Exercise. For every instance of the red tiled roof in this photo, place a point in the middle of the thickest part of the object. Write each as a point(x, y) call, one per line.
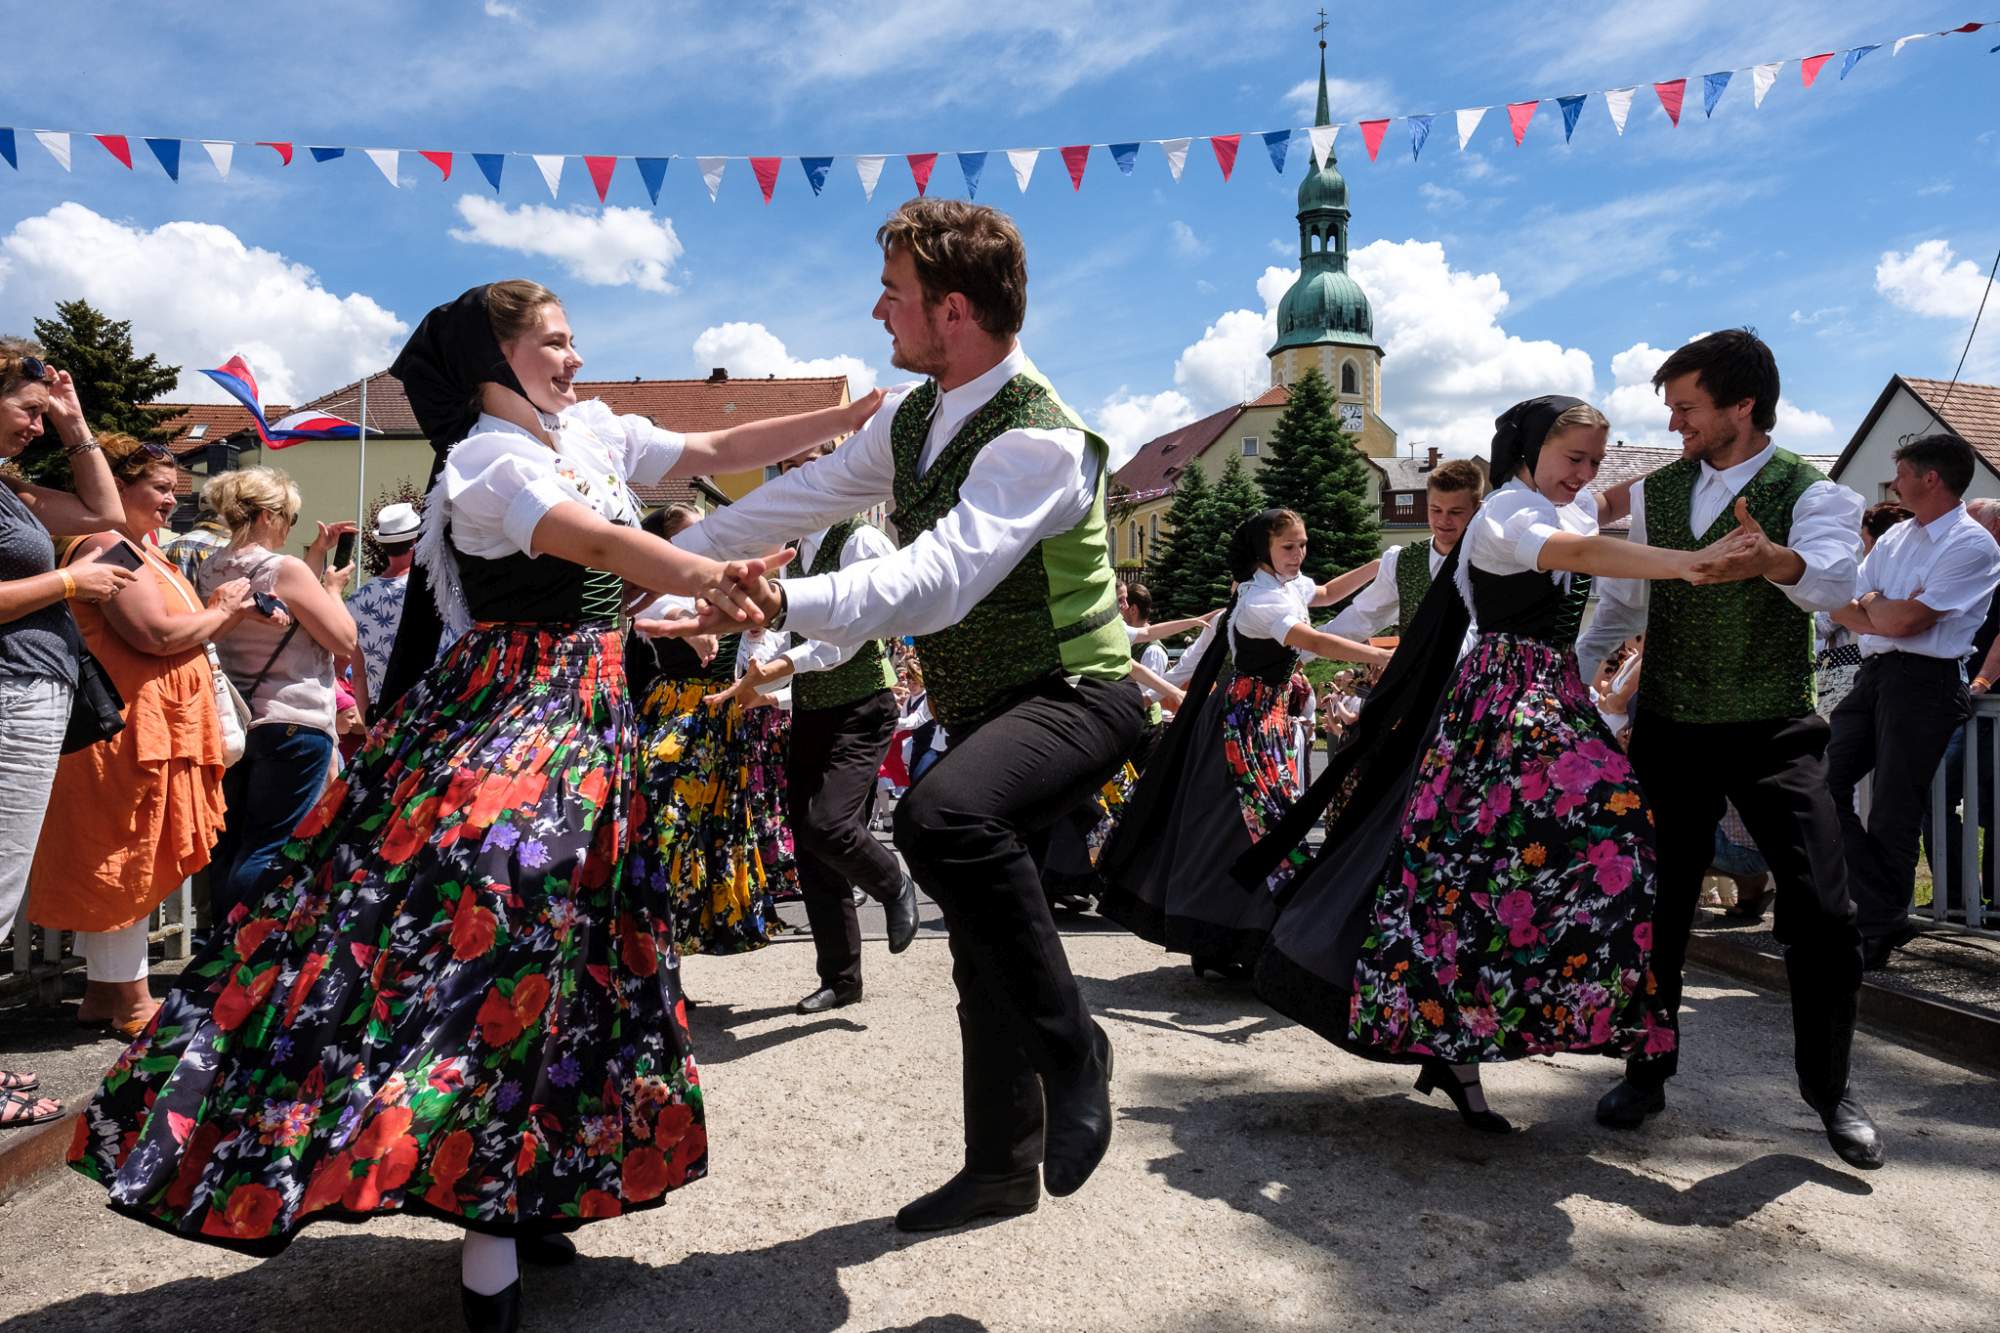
point(197, 425)
point(388, 406)
point(1972, 411)
point(1160, 460)
point(1278, 395)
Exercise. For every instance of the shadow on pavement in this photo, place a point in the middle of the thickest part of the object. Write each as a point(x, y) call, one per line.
point(713, 1027)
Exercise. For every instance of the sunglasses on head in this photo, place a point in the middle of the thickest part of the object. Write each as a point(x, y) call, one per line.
point(154, 449)
point(33, 369)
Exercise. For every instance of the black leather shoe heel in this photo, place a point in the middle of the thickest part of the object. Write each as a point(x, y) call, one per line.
point(1437, 1075)
point(1079, 1120)
point(901, 912)
point(551, 1249)
point(826, 997)
point(1626, 1106)
point(498, 1313)
point(967, 1197)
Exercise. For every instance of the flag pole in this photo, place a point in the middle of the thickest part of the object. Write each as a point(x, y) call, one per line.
point(361, 484)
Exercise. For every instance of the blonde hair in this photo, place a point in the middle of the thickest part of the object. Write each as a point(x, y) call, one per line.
point(12, 350)
point(129, 459)
point(514, 307)
point(1582, 415)
point(238, 497)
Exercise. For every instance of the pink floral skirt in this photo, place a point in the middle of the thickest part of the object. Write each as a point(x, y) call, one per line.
point(1516, 916)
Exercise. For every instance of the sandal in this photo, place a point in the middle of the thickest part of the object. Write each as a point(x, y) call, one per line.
point(18, 1112)
point(11, 1082)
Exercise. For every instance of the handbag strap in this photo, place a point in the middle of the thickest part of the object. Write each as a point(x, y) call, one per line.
point(271, 661)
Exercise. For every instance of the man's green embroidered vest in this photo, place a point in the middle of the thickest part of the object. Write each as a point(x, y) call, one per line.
point(1413, 580)
point(1730, 652)
point(868, 671)
point(1056, 612)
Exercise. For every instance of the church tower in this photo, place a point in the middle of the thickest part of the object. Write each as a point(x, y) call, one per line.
point(1324, 322)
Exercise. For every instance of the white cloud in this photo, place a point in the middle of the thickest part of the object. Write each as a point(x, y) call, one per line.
point(1441, 198)
point(748, 351)
point(1186, 244)
point(1347, 100)
point(1926, 282)
point(1639, 417)
point(612, 247)
point(499, 9)
point(300, 338)
point(1128, 420)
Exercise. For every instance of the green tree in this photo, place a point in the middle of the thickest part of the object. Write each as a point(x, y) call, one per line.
point(1232, 501)
point(113, 383)
point(1172, 585)
point(1312, 466)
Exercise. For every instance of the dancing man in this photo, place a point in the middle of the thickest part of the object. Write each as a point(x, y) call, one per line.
point(843, 715)
point(1005, 578)
point(1725, 707)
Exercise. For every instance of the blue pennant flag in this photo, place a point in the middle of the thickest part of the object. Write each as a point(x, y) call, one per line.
point(169, 153)
point(1854, 57)
point(1420, 130)
point(653, 170)
point(816, 169)
point(326, 154)
point(490, 166)
point(1572, 107)
point(972, 164)
point(7, 149)
point(1125, 154)
point(1711, 90)
point(1278, 141)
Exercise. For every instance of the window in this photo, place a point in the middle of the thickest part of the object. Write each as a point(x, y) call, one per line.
point(1249, 446)
point(1885, 493)
point(772, 472)
point(1350, 382)
point(1154, 526)
point(1406, 502)
point(196, 432)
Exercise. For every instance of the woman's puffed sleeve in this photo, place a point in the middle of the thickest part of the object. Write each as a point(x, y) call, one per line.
point(1508, 532)
point(647, 451)
point(499, 488)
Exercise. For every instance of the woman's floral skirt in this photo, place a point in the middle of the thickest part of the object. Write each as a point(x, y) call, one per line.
point(714, 835)
point(1516, 918)
point(451, 999)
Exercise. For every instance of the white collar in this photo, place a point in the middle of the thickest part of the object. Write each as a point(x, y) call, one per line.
point(970, 396)
point(1738, 476)
point(1935, 529)
point(488, 422)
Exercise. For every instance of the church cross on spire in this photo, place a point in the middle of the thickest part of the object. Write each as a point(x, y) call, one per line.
point(1325, 115)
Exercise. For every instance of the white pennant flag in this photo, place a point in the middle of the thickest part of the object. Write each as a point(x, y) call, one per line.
point(711, 173)
point(1322, 141)
point(385, 160)
point(1023, 162)
point(222, 153)
point(870, 170)
point(1468, 121)
point(1176, 155)
point(1618, 102)
point(1761, 79)
point(1902, 42)
point(551, 165)
point(57, 143)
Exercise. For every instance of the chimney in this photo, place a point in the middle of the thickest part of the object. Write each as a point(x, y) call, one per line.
point(1431, 461)
point(720, 375)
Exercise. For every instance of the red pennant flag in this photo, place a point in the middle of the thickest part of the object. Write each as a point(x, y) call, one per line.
point(1964, 27)
point(600, 169)
point(1225, 146)
point(1810, 67)
point(117, 146)
point(767, 174)
point(1520, 113)
point(440, 160)
point(920, 169)
point(1671, 93)
point(283, 150)
point(1075, 157)
point(1371, 134)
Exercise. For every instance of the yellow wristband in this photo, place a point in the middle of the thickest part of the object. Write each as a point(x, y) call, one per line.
point(1982, 682)
point(69, 584)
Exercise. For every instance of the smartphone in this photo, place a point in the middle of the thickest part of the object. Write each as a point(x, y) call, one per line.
point(267, 605)
point(343, 551)
point(122, 556)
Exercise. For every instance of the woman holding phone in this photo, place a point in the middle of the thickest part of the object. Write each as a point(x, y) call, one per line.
point(134, 815)
point(283, 663)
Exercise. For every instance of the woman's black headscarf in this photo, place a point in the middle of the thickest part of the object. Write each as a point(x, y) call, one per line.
point(1518, 434)
point(451, 354)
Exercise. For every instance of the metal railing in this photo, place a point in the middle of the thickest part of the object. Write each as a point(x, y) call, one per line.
point(1979, 805)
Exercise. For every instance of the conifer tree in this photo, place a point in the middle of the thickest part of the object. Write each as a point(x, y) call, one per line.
point(1231, 502)
point(1315, 468)
point(112, 383)
point(1174, 593)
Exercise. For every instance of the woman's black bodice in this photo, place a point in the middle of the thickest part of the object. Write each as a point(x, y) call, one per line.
point(1267, 659)
point(524, 589)
point(1531, 605)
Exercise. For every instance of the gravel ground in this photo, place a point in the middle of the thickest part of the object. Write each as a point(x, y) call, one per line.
point(1942, 963)
point(1258, 1180)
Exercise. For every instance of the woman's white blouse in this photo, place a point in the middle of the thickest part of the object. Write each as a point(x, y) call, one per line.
point(1267, 607)
point(501, 481)
point(1506, 536)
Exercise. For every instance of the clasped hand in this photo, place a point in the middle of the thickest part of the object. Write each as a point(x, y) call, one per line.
point(1746, 553)
point(739, 593)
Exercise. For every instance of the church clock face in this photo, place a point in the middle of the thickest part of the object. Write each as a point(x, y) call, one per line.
point(1350, 418)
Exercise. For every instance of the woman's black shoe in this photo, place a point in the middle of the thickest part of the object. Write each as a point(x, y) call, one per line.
point(550, 1249)
point(1437, 1074)
point(1224, 970)
point(498, 1313)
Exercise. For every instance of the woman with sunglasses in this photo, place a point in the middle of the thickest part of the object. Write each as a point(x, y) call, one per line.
point(38, 643)
point(284, 668)
point(135, 814)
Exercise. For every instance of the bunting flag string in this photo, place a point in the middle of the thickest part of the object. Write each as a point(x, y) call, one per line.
point(171, 153)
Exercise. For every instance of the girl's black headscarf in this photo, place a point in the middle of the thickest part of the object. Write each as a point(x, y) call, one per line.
point(452, 353)
point(1518, 434)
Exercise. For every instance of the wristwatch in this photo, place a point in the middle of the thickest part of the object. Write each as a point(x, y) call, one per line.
point(784, 606)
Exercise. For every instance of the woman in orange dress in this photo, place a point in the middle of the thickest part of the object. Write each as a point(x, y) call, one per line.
point(131, 817)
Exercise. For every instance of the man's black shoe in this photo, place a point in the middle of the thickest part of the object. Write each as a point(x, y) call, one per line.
point(1627, 1105)
point(1877, 950)
point(1853, 1135)
point(902, 913)
point(826, 997)
point(967, 1197)
point(1079, 1120)
point(550, 1249)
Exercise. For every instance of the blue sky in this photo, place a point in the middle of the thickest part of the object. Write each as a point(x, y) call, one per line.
point(1852, 223)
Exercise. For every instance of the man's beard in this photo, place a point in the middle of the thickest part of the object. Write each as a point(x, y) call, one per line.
point(1716, 444)
point(925, 360)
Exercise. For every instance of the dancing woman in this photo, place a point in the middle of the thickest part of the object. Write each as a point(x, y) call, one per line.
point(449, 997)
point(1225, 773)
point(1498, 902)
